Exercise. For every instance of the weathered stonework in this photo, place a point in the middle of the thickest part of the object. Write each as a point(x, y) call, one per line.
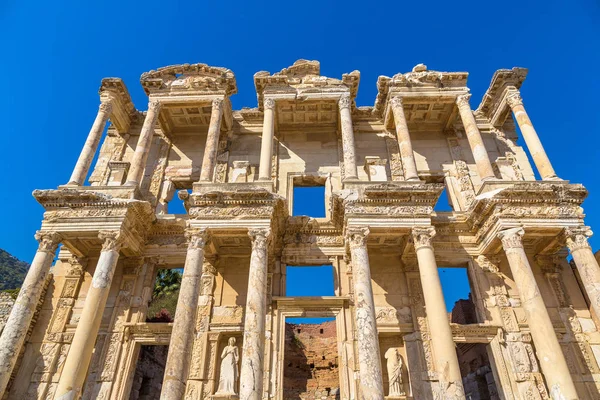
point(77, 332)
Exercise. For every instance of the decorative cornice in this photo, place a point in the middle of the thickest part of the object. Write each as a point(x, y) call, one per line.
point(345, 101)
point(196, 238)
point(422, 236)
point(514, 99)
point(48, 241)
point(512, 238)
point(111, 240)
point(259, 237)
point(488, 264)
point(269, 103)
point(577, 238)
point(463, 100)
point(357, 236)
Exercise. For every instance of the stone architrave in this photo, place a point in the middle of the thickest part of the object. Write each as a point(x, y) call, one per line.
point(266, 144)
point(91, 144)
point(15, 329)
point(182, 336)
point(142, 149)
point(404, 142)
point(212, 142)
point(251, 375)
point(371, 383)
point(446, 361)
point(587, 265)
point(76, 365)
point(540, 158)
point(348, 137)
point(549, 352)
point(480, 154)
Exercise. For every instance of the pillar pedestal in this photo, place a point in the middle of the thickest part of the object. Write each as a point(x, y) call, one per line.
point(444, 349)
point(406, 150)
point(251, 375)
point(72, 378)
point(548, 350)
point(348, 146)
point(18, 322)
point(266, 144)
point(182, 336)
point(91, 144)
point(142, 149)
point(212, 142)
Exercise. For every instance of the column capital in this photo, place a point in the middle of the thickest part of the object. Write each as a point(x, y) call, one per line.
point(259, 237)
point(422, 236)
point(154, 105)
point(196, 238)
point(512, 238)
point(48, 241)
point(514, 98)
point(269, 103)
point(577, 238)
point(357, 236)
point(111, 240)
point(106, 106)
point(217, 104)
point(344, 101)
point(463, 100)
point(488, 264)
point(397, 102)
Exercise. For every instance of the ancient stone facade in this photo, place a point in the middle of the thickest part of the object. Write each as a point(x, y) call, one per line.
point(76, 329)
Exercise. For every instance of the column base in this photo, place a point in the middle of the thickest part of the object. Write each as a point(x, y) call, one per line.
point(225, 396)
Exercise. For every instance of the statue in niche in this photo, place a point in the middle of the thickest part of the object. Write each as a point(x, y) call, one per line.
point(229, 368)
point(394, 369)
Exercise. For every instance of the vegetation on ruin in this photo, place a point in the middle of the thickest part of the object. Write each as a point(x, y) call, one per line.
point(164, 296)
point(12, 272)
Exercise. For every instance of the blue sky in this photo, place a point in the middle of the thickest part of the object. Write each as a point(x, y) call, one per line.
point(56, 53)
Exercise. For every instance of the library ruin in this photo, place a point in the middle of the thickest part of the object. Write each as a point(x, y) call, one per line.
point(81, 327)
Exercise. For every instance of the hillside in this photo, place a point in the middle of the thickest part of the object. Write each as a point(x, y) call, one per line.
point(12, 271)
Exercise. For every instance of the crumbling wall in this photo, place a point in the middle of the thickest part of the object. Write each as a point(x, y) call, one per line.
point(6, 304)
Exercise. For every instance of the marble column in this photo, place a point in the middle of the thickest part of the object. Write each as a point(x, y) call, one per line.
point(587, 265)
point(444, 350)
point(72, 378)
point(91, 144)
point(251, 375)
point(532, 140)
point(266, 144)
point(480, 154)
point(20, 317)
point(548, 350)
point(348, 137)
point(183, 333)
point(406, 150)
point(369, 360)
point(212, 142)
point(142, 149)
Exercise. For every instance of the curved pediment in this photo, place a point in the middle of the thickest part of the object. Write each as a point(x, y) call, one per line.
point(197, 78)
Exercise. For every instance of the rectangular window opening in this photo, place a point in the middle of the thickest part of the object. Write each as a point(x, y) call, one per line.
point(308, 198)
point(149, 371)
point(443, 204)
point(476, 370)
point(457, 295)
point(309, 281)
point(163, 304)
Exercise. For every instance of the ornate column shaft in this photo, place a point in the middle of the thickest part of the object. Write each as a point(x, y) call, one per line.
point(549, 352)
point(480, 154)
point(251, 375)
point(348, 137)
point(266, 144)
point(586, 263)
point(74, 372)
point(182, 336)
point(444, 351)
point(91, 144)
point(406, 150)
point(369, 360)
point(18, 322)
point(541, 160)
point(142, 149)
point(212, 142)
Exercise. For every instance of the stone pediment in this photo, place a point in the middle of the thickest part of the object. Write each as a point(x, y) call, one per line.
point(190, 79)
point(492, 105)
point(123, 110)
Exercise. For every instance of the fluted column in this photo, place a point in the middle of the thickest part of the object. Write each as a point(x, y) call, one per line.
point(91, 144)
point(142, 149)
point(182, 336)
point(444, 350)
point(251, 375)
point(480, 154)
point(548, 350)
point(212, 142)
point(587, 265)
point(266, 144)
point(369, 360)
point(74, 372)
point(22, 312)
point(541, 160)
point(406, 150)
point(348, 146)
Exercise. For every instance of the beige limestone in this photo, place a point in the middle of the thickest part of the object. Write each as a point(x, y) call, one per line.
point(138, 161)
point(212, 142)
point(266, 147)
point(348, 142)
point(586, 262)
point(406, 149)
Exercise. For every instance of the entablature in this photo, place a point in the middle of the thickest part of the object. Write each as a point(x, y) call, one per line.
point(493, 105)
